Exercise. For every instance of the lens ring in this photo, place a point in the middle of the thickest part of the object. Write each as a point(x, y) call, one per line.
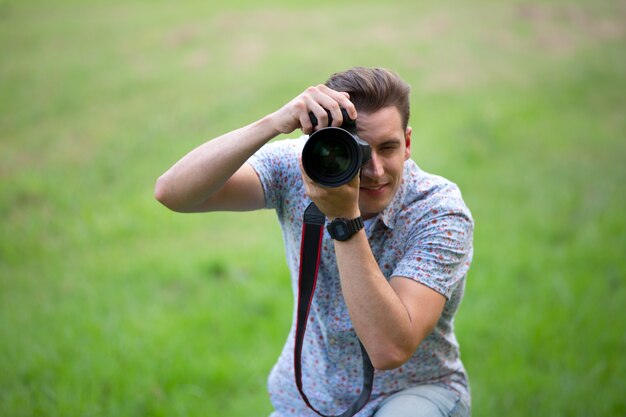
point(331, 157)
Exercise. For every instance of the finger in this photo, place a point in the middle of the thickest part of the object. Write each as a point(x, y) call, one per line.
point(342, 99)
point(349, 106)
point(301, 167)
point(336, 114)
point(319, 111)
point(304, 176)
point(327, 98)
point(356, 181)
point(305, 122)
point(308, 188)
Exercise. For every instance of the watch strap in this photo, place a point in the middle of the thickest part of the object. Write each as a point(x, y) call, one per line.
point(356, 224)
point(352, 226)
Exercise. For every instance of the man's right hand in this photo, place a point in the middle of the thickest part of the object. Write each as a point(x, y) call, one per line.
point(316, 100)
point(214, 176)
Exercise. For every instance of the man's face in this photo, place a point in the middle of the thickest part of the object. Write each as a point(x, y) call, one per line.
point(391, 146)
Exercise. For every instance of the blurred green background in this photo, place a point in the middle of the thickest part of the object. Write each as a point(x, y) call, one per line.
point(110, 305)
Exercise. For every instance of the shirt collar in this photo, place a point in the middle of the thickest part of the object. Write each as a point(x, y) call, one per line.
point(389, 215)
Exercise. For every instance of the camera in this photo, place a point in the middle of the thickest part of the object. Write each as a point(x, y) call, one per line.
point(332, 156)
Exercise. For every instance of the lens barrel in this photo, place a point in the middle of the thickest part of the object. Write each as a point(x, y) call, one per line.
point(332, 156)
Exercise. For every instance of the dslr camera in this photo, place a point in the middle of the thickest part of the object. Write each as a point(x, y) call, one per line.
point(332, 156)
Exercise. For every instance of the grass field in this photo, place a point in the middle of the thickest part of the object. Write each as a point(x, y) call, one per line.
point(112, 306)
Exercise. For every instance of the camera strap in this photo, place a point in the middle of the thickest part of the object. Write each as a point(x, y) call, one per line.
point(310, 254)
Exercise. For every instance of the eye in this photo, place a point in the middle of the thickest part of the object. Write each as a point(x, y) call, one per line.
point(388, 148)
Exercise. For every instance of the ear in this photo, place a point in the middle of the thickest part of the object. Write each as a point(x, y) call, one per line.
point(407, 142)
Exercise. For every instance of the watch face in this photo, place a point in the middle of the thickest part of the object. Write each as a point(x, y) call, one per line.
point(341, 231)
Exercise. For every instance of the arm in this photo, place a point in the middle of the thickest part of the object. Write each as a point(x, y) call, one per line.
point(390, 318)
point(214, 176)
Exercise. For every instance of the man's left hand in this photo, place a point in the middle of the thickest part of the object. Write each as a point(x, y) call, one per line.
point(334, 202)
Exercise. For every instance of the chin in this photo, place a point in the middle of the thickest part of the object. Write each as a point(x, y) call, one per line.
point(371, 210)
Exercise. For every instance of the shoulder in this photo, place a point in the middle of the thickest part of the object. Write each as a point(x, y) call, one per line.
point(427, 195)
point(434, 229)
point(276, 165)
point(285, 149)
point(278, 161)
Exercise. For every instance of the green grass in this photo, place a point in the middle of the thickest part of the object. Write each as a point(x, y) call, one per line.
point(111, 305)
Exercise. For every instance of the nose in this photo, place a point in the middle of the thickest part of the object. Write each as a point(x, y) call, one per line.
point(374, 167)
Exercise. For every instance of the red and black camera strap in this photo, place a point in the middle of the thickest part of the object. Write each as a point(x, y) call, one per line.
point(310, 253)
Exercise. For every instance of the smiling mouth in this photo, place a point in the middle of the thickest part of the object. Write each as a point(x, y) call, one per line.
point(376, 188)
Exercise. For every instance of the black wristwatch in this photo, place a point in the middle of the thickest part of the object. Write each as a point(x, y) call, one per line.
point(343, 229)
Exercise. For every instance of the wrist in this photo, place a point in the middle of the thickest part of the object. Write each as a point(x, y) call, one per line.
point(269, 126)
point(342, 229)
point(345, 215)
point(281, 122)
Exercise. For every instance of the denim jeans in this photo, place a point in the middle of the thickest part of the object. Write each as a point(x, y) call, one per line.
point(424, 401)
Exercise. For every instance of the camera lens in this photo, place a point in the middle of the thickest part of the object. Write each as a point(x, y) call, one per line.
point(332, 156)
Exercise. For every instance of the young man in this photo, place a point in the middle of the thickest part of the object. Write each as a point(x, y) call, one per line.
point(394, 285)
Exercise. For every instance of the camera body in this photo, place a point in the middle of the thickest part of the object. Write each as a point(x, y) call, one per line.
point(332, 156)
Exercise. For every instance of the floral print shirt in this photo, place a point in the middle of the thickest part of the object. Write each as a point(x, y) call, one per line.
point(425, 235)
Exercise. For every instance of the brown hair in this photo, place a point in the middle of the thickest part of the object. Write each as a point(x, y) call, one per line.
point(372, 89)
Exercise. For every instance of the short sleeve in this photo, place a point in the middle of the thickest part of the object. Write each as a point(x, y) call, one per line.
point(276, 164)
point(438, 249)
